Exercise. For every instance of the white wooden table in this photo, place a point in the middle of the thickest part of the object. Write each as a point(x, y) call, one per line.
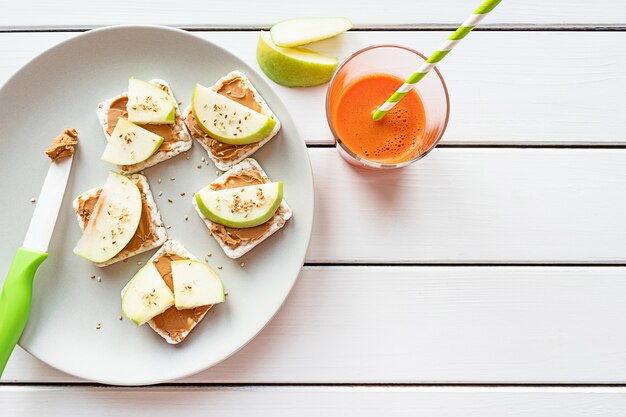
point(499, 288)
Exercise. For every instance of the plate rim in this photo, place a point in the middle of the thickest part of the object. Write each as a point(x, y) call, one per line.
point(310, 179)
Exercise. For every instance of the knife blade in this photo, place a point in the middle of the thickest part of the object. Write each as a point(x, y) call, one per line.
point(17, 290)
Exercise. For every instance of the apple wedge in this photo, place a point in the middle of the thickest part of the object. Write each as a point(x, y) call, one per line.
point(148, 104)
point(195, 285)
point(130, 144)
point(296, 32)
point(146, 295)
point(113, 221)
point(241, 207)
point(293, 67)
point(228, 121)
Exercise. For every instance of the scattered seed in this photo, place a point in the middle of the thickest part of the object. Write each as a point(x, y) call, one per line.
point(160, 193)
point(219, 267)
point(169, 200)
point(168, 227)
point(159, 180)
point(98, 325)
point(209, 254)
point(32, 200)
point(182, 194)
point(203, 159)
point(121, 317)
point(180, 103)
point(243, 264)
point(99, 279)
point(172, 178)
point(217, 173)
point(93, 277)
point(199, 166)
point(186, 218)
point(206, 259)
point(141, 172)
point(225, 292)
point(138, 262)
point(188, 157)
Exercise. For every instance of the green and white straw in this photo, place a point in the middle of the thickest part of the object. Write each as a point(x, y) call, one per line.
point(437, 56)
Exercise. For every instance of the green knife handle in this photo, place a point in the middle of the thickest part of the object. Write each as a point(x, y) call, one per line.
point(16, 298)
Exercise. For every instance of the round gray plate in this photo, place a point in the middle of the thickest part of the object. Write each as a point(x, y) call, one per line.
point(60, 89)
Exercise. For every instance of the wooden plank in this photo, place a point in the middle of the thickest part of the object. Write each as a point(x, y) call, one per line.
point(314, 401)
point(473, 206)
point(194, 13)
point(527, 93)
point(429, 325)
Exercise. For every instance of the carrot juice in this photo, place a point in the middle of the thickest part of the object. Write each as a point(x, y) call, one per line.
point(411, 129)
point(395, 138)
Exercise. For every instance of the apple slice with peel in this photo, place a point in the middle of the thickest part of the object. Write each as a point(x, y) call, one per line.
point(296, 32)
point(195, 285)
point(293, 67)
point(228, 121)
point(241, 207)
point(113, 221)
point(146, 295)
point(130, 144)
point(148, 104)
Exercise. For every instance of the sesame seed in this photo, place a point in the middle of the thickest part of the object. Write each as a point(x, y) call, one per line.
point(172, 178)
point(188, 157)
point(160, 193)
point(203, 159)
point(168, 227)
point(93, 277)
point(182, 194)
point(243, 264)
point(32, 200)
point(99, 279)
point(199, 166)
point(159, 180)
point(138, 262)
point(98, 325)
point(121, 317)
point(209, 254)
point(219, 267)
point(217, 173)
point(169, 200)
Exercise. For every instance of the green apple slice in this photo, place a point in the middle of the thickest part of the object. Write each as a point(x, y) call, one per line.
point(195, 285)
point(241, 207)
point(148, 104)
point(296, 32)
point(146, 295)
point(113, 221)
point(293, 67)
point(130, 144)
point(227, 120)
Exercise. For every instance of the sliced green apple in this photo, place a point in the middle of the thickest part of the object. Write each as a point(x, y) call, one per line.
point(293, 67)
point(227, 120)
point(148, 104)
point(146, 295)
point(113, 221)
point(195, 285)
point(130, 144)
point(241, 207)
point(296, 32)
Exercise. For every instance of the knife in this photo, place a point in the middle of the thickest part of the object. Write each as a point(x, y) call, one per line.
point(17, 291)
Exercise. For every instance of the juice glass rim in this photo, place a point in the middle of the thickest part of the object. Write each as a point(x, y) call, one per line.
point(360, 159)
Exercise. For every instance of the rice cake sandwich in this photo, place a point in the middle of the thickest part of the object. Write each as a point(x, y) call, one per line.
point(172, 292)
point(146, 106)
point(242, 208)
point(119, 219)
point(227, 150)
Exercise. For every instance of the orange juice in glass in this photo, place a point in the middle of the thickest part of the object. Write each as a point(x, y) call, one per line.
point(409, 131)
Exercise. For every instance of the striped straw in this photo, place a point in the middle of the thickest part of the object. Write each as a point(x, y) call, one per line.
point(437, 56)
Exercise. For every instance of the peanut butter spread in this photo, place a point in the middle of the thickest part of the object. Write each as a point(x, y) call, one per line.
point(236, 90)
point(173, 321)
point(144, 232)
point(63, 145)
point(118, 110)
point(234, 237)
